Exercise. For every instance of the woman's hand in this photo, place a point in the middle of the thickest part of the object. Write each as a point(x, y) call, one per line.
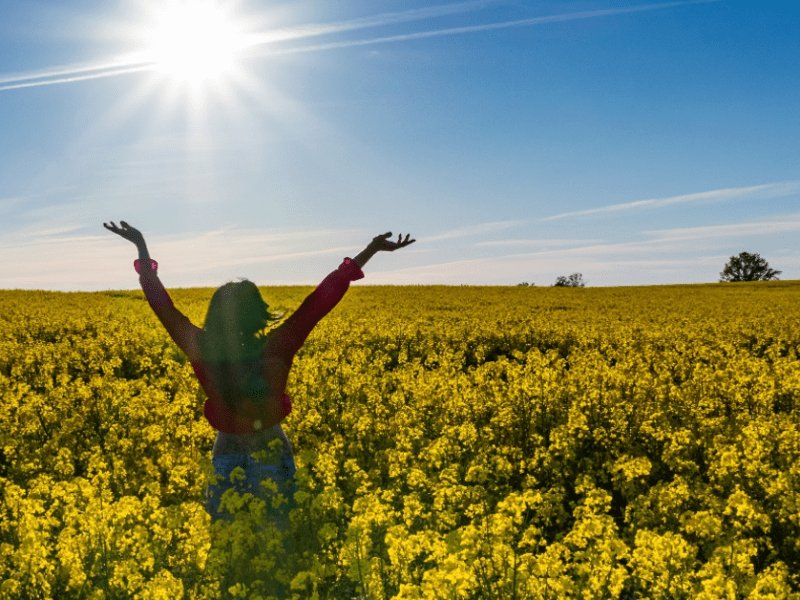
point(126, 231)
point(382, 242)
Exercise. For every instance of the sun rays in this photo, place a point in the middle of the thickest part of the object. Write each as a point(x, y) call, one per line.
point(200, 40)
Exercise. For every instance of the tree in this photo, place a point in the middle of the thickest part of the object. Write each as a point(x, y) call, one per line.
point(574, 280)
point(747, 267)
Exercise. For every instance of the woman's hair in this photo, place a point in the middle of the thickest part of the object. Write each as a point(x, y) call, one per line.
point(232, 341)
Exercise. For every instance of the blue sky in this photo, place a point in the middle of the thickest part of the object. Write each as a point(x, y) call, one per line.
point(637, 143)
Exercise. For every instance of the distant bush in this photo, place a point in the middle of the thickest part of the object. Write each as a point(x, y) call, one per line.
point(574, 280)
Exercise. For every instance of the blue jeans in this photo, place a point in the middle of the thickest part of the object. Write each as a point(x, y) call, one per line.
point(282, 473)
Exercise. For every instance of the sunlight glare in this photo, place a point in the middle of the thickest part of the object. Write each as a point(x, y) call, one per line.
point(195, 40)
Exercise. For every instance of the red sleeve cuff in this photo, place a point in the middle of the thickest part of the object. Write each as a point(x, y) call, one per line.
point(286, 404)
point(153, 265)
point(351, 269)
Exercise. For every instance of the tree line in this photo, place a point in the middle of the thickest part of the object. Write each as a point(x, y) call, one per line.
point(745, 267)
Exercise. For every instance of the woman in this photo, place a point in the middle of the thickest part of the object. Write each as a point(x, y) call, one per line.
point(243, 372)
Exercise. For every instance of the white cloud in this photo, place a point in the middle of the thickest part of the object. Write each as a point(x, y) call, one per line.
point(47, 255)
point(473, 230)
point(752, 193)
point(739, 230)
point(674, 240)
point(537, 242)
point(757, 192)
point(6, 204)
point(686, 255)
point(446, 273)
point(43, 256)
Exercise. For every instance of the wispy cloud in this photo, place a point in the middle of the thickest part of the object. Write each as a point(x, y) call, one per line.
point(474, 271)
point(757, 192)
point(141, 62)
point(687, 255)
point(223, 250)
point(473, 230)
point(787, 224)
point(538, 242)
point(195, 264)
point(674, 241)
point(7, 204)
point(50, 255)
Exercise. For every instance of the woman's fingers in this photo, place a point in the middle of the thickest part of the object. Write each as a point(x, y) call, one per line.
point(384, 241)
point(400, 243)
point(126, 231)
point(113, 226)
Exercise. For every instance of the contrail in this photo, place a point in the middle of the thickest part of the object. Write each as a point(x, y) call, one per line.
point(136, 63)
point(404, 16)
point(70, 70)
point(489, 26)
point(84, 77)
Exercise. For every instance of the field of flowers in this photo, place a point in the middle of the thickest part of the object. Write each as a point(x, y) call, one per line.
point(451, 442)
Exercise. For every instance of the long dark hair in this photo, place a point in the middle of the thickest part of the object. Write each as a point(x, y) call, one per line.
point(232, 341)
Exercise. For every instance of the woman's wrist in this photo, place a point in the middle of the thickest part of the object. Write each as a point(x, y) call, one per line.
point(362, 257)
point(144, 255)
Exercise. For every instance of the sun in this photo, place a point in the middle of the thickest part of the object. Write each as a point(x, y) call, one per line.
point(194, 41)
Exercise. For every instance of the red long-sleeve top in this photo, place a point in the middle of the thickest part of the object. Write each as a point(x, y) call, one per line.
point(280, 347)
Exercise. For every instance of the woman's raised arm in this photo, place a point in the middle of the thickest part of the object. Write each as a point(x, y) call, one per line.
point(180, 329)
point(289, 337)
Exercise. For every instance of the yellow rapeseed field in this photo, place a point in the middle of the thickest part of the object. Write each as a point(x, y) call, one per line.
point(451, 442)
